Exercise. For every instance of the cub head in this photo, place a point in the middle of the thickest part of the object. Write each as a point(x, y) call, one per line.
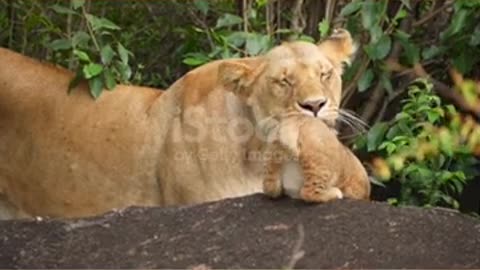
point(295, 77)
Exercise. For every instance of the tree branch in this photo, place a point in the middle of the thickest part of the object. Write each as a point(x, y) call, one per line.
point(432, 14)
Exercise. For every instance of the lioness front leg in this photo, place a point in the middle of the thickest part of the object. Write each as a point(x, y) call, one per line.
point(272, 182)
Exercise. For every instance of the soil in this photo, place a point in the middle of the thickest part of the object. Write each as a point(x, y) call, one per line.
point(248, 232)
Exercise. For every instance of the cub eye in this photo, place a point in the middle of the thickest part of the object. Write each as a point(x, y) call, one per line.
point(326, 75)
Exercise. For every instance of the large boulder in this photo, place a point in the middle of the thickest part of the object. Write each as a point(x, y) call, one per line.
point(248, 232)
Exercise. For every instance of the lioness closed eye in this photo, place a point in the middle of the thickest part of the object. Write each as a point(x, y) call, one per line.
point(307, 161)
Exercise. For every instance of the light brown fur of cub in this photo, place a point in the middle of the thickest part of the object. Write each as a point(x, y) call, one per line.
point(307, 161)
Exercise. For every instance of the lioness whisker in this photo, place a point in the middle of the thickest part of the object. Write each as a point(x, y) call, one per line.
point(352, 116)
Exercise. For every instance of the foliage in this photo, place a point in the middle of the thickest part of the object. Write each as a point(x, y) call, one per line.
point(428, 148)
point(93, 50)
point(382, 25)
point(227, 39)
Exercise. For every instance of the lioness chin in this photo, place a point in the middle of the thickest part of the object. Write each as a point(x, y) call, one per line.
point(69, 156)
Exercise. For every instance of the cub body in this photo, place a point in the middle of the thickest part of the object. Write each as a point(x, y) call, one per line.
point(307, 161)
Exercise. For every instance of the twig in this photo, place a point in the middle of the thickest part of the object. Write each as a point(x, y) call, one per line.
point(297, 252)
point(441, 88)
point(204, 25)
point(69, 36)
point(385, 104)
point(279, 16)
point(12, 17)
point(298, 20)
point(268, 17)
point(432, 14)
point(379, 90)
point(352, 85)
point(90, 30)
point(449, 94)
point(245, 11)
point(329, 10)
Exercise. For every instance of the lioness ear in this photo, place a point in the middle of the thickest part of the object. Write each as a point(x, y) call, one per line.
point(339, 48)
point(237, 77)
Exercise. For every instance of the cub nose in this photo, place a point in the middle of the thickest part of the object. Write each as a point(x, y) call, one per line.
point(313, 105)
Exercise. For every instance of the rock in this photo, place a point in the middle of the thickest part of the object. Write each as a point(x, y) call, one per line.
point(248, 232)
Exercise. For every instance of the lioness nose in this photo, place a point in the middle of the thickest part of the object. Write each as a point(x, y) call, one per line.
point(313, 105)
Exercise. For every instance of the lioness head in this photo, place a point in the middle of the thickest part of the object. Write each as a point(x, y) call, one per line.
point(293, 77)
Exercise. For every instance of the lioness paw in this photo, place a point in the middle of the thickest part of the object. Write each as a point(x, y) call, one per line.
point(272, 188)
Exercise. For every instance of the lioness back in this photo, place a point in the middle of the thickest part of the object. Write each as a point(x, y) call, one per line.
point(67, 155)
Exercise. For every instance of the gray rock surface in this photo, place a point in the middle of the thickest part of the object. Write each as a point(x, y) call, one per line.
point(248, 232)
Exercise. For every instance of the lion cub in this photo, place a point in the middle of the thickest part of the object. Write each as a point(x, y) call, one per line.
point(307, 161)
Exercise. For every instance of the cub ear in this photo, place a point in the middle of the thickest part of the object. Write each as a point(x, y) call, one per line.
point(339, 48)
point(237, 77)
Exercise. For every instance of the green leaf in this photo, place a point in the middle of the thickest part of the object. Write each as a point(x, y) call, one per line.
point(109, 79)
point(101, 23)
point(371, 11)
point(390, 147)
point(458, 21)
point(202, 6)
point(106, 54)
point(407, 4)
point(431, 52)
point(81, 55)
point(123, 53)
point(91, 70)
point(392, 201)
point(386, 82)
point(324, 28)
point(96, 86)
point(306, 38)
point(80, 39)
point(375, 136)
point(412, 52)
point(196, 59)
point(475, 38)
point(402, 13)
point(60, 44)
point(351, 8)
point(78, 3)
point(379, 50)
point(433, 116)
point(62, 10)
point(257, 43)
point(366, 80)
point(237, 38)
point(228, 20)
point(464, 62)
point(193, 61)
point(75, 81)
point(124, 70)
point(376, 32)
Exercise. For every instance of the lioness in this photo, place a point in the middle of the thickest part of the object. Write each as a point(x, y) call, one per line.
point(69, 156)
point(307, 161)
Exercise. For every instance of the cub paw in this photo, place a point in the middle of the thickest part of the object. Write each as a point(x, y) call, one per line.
point(272, 189)
point(320, 195)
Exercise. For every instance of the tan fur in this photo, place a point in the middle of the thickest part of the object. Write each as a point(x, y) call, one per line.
point(69, 156)
point(327, 169)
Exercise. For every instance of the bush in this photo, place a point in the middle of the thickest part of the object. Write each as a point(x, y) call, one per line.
point(428, 148)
